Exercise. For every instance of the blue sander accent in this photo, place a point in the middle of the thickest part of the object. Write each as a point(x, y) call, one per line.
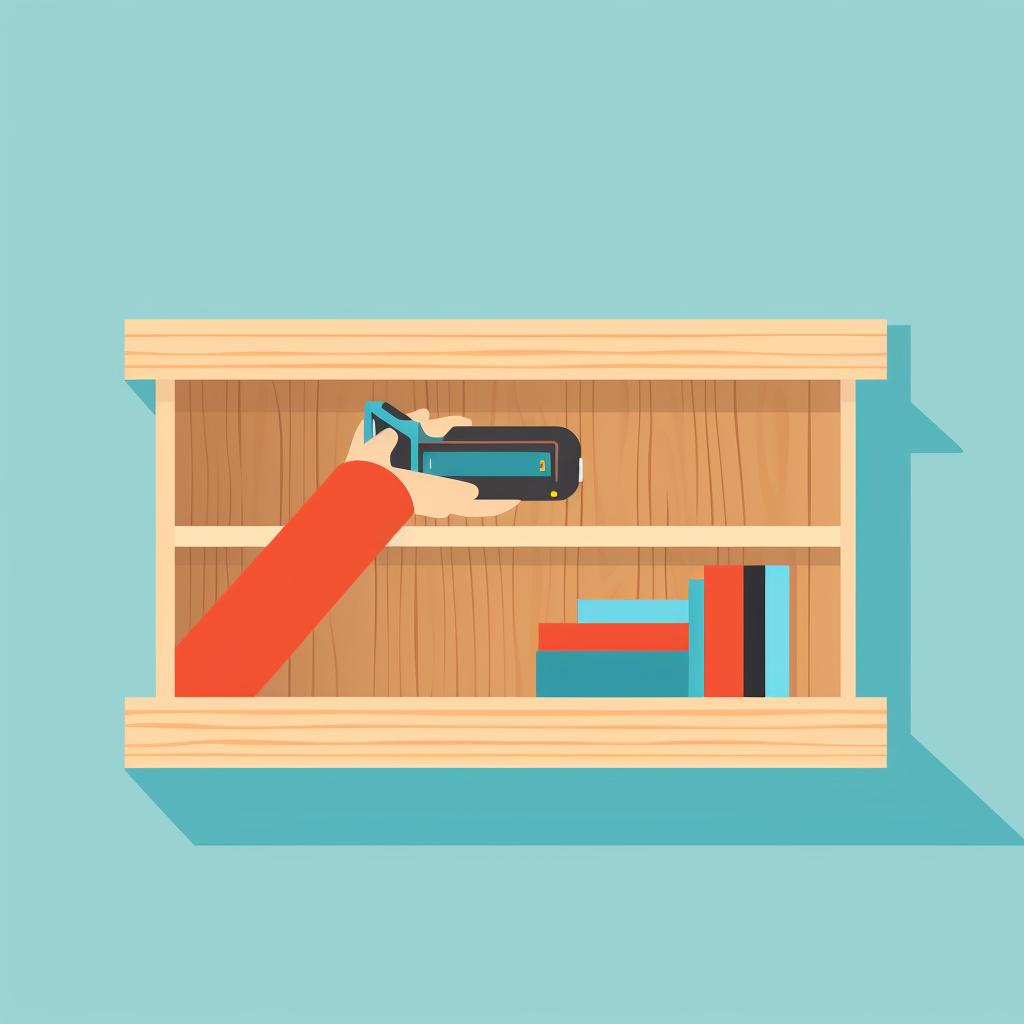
point(462, 464)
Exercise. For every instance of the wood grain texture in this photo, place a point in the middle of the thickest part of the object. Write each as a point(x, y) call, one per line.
point(656, 454)
point(463, 622)
point(164, 541)
point(707, 463)
point(493, 536)
point(505, 349)
point(398, 732)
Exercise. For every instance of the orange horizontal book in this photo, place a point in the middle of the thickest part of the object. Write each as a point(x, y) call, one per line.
point(613, 636)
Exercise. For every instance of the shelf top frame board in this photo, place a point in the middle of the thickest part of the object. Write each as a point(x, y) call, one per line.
point(505, 349)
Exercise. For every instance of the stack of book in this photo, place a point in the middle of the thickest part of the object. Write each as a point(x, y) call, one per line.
point(729, 639)
point(616, 649)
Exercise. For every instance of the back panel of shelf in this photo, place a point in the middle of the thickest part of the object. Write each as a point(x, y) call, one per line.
point(463, 622)
point(655, 452)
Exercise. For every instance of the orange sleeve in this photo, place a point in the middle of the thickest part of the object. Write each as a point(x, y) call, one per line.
point(255, 625)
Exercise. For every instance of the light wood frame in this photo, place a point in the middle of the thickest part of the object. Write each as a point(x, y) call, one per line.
point(845, 731)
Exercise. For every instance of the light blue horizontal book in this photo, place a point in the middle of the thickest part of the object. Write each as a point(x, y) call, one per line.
point(632, 611)
point(613, 674)
point(696, 638)
point(776, 631)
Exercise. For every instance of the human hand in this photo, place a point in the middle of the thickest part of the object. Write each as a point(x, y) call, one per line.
point(435, 496)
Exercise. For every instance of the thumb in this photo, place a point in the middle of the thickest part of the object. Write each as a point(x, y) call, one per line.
point(380, 446)
point(378, 449)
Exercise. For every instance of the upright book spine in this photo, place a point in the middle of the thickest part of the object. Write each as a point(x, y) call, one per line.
point(753, 631)
point(723, 631)
point(776, 631)
point(696, 638)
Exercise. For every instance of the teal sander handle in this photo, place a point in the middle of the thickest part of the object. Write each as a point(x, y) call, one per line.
point(528, 463)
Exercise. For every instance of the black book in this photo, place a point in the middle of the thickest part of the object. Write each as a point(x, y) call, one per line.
point(753, 631)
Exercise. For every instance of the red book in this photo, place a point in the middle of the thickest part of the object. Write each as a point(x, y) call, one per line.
point(723, 631)
point(614, 636)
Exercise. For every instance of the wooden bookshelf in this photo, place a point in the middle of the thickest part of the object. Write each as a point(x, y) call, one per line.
point(705, 442)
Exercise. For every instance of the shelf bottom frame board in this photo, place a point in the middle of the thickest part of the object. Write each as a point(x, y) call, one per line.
point(505, 732)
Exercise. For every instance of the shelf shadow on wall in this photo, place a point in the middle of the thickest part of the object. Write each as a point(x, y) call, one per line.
point(916, 800)
point(145, 391)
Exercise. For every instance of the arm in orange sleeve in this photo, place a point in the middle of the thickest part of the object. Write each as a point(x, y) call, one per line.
point(256, 624)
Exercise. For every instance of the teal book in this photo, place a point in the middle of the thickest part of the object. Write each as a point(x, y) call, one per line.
point(696, 638)
point(776, 631)
point(631, 611)
point(613, 674)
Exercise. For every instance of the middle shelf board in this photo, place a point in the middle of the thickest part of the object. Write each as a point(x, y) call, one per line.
point(545, 536)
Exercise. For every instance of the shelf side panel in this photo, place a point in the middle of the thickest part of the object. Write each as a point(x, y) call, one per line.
point(163, 541)
point(848, 533)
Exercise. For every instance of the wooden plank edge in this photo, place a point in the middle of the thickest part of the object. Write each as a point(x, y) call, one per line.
point(376, 372)
point(837, 760)
point(148, 370)
point(172, 733)
point(545, 536)
point(492, 705)
point(506, 349)
point(517, 327)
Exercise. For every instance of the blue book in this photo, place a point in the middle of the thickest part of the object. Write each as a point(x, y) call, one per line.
point(776, 631)
point(612, 673)
point(632, 611)
point(696, 638)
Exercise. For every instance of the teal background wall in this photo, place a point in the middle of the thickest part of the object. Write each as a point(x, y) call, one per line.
point(535, 159)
